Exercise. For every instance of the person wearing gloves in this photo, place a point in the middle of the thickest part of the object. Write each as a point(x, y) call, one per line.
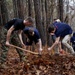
point(33, 35)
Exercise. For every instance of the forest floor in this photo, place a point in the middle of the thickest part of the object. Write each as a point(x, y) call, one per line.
point(39, 65)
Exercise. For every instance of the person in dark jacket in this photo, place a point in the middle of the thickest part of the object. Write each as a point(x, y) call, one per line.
point(61, 30)
point(33, 35)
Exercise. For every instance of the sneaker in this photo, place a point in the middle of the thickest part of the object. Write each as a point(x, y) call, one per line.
point(3, 66)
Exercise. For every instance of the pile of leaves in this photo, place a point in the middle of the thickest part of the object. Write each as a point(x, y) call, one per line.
point(40, 65)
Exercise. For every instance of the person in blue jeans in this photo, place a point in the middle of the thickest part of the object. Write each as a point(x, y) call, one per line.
point(33, 35)
point(61, 30)
point(73, 41)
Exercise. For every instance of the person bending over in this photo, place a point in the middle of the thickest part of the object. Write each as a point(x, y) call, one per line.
point(33, 35)
point(61, 30)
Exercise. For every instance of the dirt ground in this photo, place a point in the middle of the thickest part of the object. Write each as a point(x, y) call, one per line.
point(39, 65)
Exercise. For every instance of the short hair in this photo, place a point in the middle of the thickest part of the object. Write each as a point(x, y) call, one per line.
point(31, 31)
point(50, 28)
point(30, 19)
point(57, 20)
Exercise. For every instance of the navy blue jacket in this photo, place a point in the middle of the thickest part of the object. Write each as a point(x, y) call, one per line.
point(36, 33)
point(62, 29)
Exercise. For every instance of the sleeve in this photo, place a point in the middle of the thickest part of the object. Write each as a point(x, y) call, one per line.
point(15, 24)
point(37, 34)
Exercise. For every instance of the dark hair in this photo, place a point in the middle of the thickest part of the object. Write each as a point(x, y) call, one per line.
point(54, 19)
point(31, 30)
point(30, 19)
point(50, 28)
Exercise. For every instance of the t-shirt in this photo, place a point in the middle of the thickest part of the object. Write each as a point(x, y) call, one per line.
point(17, 23)
point(62, 29)
point(36, 33)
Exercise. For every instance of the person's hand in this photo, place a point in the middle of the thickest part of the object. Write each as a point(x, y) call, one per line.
point(23, 46)
point(49, 48)
point(61, 51)
point(52, 33)
point(7, 43)
point(40, 51)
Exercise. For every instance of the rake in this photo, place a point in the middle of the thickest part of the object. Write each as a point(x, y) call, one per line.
point(24, 49)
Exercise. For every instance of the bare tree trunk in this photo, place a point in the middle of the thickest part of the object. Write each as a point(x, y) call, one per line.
point(3, 20)
point(30, 7)
point(18, 8)
point(25, 8)
point(0, 15)
point(44, 19)
point(67, 10)
point(31, 11)
point(60, 9)
point(15, 8)
point(39, 19)
point(49, 17)
point(20, 4)
point(3, 12)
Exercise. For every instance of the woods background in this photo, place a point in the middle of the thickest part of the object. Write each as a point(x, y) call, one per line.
point(42, 11)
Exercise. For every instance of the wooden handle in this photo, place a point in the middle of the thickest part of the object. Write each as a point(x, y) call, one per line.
point(23, 49)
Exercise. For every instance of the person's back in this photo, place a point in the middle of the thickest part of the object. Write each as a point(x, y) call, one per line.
point(62, 29)
point(32, 33)
point(16, 22)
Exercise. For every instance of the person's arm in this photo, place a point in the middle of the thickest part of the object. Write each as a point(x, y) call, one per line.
point(53, 38)
point(8, 35)
point(40, 46)
point(20, 37)
point(54, 44)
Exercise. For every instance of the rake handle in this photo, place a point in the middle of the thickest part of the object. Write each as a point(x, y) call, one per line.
point(24, 49)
